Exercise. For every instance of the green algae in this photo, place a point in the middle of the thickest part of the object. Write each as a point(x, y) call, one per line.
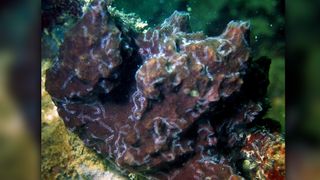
point(130, 20)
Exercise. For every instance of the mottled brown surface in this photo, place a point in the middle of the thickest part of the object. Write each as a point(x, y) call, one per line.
point(166, 102)
point(265, 155)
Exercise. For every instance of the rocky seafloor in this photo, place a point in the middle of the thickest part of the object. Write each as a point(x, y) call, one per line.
point(166, 102)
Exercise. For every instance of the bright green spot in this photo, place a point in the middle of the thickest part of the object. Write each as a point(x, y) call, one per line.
point(194, 93)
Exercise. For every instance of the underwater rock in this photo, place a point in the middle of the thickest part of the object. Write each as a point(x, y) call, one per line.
point(166, 102)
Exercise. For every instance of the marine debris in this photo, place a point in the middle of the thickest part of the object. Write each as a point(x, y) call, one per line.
point(166, 102)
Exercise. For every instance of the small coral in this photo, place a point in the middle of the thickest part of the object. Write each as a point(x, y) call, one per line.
point(264, 154)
